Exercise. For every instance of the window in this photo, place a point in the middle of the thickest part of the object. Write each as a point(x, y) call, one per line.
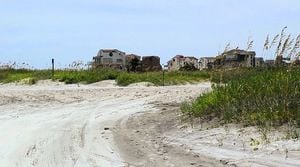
point(111, 54)
point(241, 58)
point(119, 61)
point(107, 60)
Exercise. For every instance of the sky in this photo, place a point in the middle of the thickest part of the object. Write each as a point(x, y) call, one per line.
point(35, 31)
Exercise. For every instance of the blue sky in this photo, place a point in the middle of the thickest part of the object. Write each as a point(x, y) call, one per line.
point(34, 31)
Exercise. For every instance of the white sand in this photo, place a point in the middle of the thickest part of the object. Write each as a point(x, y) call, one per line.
point(52, 124)
point(232, 145)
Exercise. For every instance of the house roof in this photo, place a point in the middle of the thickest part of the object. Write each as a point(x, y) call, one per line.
point(107, 50)
point(151, 56)
point(178, 56)
point(207, 57)
point(192, 57)
point(110, 50)
point(133, 55)
point(239, 51)
point(184, 57)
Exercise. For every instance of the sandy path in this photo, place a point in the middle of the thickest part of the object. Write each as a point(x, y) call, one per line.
point(62, 135)
point(51, 124)
point(71, 125)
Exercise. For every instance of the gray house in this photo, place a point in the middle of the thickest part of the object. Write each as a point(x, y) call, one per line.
point(111, 58)
point(235, 58)
point(206, 62)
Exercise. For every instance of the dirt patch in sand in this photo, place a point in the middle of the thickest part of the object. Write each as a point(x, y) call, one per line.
point(142, 142)
point(163, 138)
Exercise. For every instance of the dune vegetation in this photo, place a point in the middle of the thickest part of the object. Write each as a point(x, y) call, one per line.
point(266, 96)
point(252, 97)
point(91, 76)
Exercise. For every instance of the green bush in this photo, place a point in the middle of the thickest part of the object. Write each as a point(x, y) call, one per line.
point(254, 97)
point(85, 76)
point(170, 78)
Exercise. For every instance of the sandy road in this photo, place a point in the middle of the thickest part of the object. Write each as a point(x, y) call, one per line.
point(71, 125)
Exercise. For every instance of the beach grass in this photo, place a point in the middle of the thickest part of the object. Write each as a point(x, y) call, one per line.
point(90, 76)
point(251, 96)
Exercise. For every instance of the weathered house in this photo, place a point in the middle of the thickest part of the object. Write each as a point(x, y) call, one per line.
point(116, 59)
point(206, 62)
point(180, 61)
point(130, 57)
point(133, 62)
point(235, 58)
point(151, 63)
point(259, 61)
point(269, 63)
point(110, 58)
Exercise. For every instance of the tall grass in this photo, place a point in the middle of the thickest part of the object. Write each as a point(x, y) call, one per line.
point(13, 75)
point(157, 78)
point(85, 76)
point(253, 97)
point(90, 76)
point(283, 46)
point(67, 76)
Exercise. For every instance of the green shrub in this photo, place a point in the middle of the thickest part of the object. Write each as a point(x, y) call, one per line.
point(254, 97)
point(85, 76)
point(170, 78)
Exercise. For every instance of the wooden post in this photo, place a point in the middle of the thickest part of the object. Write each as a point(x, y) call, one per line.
point(52, 68)
point(163, 75)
